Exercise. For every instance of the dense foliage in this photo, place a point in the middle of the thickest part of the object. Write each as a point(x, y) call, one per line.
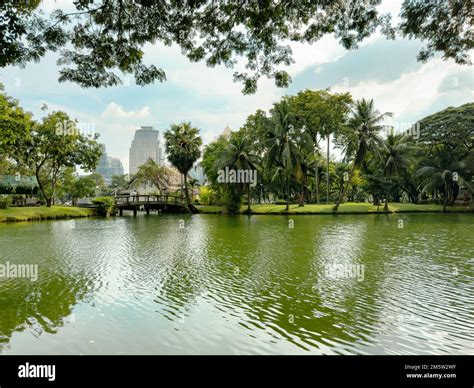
point(43, 149)
point(283, 145)
point(183, 149)
point(102, 39)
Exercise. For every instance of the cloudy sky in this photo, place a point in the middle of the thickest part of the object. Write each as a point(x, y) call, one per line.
point(384, 70)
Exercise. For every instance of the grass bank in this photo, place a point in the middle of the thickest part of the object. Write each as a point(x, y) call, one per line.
point(346, 208)
point(43, 213)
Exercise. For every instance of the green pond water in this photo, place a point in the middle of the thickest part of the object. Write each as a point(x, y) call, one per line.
point(207, 284)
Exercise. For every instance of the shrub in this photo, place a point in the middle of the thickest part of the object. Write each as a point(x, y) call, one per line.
point(105, 205)
point(206, 195)
point(5, 202)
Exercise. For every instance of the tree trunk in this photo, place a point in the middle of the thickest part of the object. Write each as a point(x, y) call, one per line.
point(41, 187)
point(327, 169)
point(248, 198)
point(346, 186)
point(385, 207)
point(454, 193)
point(287, 194)
point(317, 182)
point(446, 198)
point(301, 200)
point(303, 192)
point(186, 193)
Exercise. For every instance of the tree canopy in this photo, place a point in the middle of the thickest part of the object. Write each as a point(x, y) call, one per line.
point(102, 37)
point(15, 123)
point(453, 127)
point(437, 166)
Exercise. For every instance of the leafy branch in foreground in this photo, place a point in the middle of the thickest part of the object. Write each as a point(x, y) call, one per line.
point(103, 38)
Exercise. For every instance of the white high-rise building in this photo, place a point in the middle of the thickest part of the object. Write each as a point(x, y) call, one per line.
point(145, 145)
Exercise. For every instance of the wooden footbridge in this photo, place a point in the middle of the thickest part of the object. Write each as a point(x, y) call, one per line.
point(161, 203)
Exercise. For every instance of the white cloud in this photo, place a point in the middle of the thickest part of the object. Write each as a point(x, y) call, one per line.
point(327, 49)
point(114, 111)
point(410, 94)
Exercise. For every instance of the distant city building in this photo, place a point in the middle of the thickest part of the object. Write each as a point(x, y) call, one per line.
point(102, 166)
point(227, 132)
point(115, 166)
point(145, 145)
point(109, 166)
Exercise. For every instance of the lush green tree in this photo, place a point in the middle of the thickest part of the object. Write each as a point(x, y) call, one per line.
point(362, 136)
point(396, 154)
point(207, 195)
point(376, 184)
point(49, 150)
point(99, 181)
point(453, 128)
point(445, 152)
point(193, 183)
point(65, 184)
point(380, 168)
point(338, 176)
point(119, 182)
point(102, 36)
point(257, 127)
point(15, 124)
point(282, 147)
point(210, 158)
point(14, 25)
point(445, 25)
point(83, 187)
point(320, 113)
point(150, 171)
point(183, 148)
point(238, 155)
point(307, 161)
point(442, 174)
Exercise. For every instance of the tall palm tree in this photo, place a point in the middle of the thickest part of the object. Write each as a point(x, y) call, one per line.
point(396, 156)
point(308, 162)
point(365, 126)
point(183, 148)
point(239, 155)
point(193, 183)
point(282, 149)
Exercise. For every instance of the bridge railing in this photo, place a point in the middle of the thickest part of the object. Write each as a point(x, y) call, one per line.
point(149, 199)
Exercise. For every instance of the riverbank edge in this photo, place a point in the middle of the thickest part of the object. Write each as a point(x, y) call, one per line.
point(43, 213)
point(343, 212)
point(25, 214)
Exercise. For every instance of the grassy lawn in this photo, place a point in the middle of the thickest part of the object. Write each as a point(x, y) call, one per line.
point(347, 208)
point(43, 213)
